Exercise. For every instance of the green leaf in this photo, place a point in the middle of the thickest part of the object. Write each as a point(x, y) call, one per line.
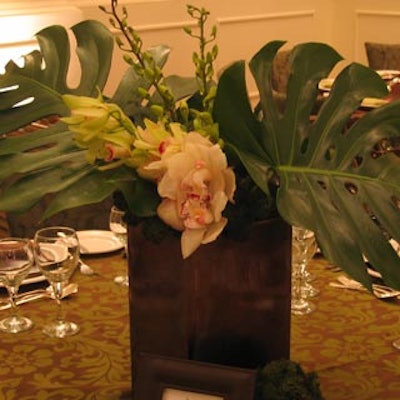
point(89, 189)
point(48, 160)
point(36, 101)
point(331, 179)
point(242, 130)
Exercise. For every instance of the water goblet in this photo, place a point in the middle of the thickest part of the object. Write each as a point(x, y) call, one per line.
point(303, 249)
point(16, 259)
point(56, 251)
point(308, 289)
point(119, 228)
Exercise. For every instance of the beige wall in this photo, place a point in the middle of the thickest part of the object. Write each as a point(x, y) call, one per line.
point(244, 26)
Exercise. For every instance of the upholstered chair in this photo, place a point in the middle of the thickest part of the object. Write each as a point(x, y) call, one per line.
point(94, 216)
point(383, 55)
point(4, 228)
point(280, 77)
point(81, 218)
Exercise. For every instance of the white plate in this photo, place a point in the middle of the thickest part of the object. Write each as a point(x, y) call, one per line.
point(372, 102)
point(326, 84)
point(369, 102)
point(33, 277)
point(98, 242)
point(388, 74)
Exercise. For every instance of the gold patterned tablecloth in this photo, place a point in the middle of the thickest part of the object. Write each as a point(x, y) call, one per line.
point(94, 364)
point(347, 341)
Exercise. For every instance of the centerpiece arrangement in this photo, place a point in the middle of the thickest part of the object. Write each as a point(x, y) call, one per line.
point(336, 180)
point(190, 157)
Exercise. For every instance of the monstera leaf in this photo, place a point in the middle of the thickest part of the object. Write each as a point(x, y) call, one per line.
point(48, 159)
point(331, 176)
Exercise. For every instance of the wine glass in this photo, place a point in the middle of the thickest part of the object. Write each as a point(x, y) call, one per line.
point(119, 227)
point(16, 259)
point(56, 252)
point(308, 289)
point(303, 249)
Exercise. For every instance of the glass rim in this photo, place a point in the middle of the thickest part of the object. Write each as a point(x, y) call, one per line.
point(14, 239)
point(116, 209)
point(55, 229)
point(18, 242)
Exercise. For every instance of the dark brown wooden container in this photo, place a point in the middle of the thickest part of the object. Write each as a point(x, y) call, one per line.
point(228, 303)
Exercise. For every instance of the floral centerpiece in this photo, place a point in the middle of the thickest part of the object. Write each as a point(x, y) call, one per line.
point(193, 155)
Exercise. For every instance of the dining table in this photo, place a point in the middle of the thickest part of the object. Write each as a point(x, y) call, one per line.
point(347, 340)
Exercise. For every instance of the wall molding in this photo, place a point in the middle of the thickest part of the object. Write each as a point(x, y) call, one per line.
point(168, 26)
point(375, 13)
point(22, 4)
point(361, 16)
point(223, 20)
point(264, 17)
point(29, 21)
point(36, 10)
point(18, 43)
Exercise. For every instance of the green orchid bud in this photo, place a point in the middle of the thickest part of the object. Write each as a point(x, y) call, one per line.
point(119, 41)
point(128, 59)
point(157, 110)
point(184, 111)
point(148, 73)
point(143, 92)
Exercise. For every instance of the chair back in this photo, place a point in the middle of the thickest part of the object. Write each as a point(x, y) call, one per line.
point(383, 55)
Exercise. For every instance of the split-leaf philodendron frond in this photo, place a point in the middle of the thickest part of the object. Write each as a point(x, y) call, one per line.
point(335, 178)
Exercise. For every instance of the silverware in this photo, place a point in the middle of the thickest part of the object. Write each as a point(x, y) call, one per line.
point(380, 291)
point(86, 269)
point(40, 294)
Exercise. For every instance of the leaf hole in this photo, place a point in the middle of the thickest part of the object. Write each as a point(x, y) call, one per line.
point(322, 184)
point(396, 202)
point(357, 161)
point(304, 146)
point(330, 153)
point(351, 188)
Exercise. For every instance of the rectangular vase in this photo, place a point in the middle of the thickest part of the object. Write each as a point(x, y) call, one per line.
point(228, 303)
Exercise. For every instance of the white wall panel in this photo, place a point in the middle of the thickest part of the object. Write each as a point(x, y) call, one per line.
point(19, 26)
point(244, 26)
point(241, 37)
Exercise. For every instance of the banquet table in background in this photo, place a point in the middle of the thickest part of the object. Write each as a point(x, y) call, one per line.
point(347, 341)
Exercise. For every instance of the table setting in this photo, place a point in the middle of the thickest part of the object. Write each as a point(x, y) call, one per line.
point(44, 265)
point(96, 358)
point(91, 358)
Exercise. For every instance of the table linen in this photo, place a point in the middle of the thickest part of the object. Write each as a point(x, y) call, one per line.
point(347, 341)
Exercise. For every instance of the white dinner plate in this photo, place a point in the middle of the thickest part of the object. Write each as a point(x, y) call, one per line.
point(372, 102)
point(326, 84)
point(34, 276)
point(98, 242)
point(388, 74)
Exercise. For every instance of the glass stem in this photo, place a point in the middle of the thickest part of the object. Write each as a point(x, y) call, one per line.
point(298, 281)
point(12, 292)
point(58, 290)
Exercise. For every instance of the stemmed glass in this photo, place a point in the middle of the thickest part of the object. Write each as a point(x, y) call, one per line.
point(16, 259)
point(303, 249)
point(56, 252)
point(119, 227)
point(308, 289)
